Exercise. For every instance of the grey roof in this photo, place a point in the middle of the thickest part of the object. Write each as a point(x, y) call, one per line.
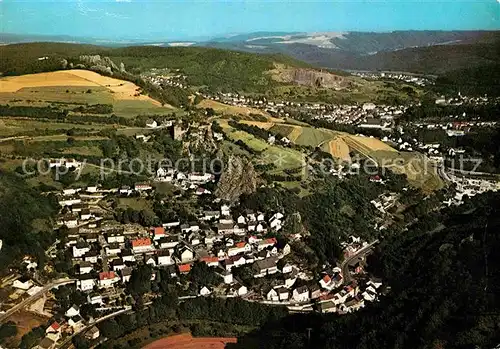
point(266, 263)
point(302, 289)
point(46, 343)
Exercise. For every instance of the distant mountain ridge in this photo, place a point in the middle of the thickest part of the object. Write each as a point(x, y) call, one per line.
point(432, 52)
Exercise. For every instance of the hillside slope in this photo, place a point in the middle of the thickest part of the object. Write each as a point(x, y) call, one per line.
point(218, 69)
point(444, 292)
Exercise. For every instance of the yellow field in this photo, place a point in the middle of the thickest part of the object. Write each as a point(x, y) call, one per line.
point(366, 145)
point(121, 90)
point(373, 143)
point(338, 148)
point(296, 132)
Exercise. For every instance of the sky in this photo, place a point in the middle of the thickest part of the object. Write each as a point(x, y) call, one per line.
point(168, 20)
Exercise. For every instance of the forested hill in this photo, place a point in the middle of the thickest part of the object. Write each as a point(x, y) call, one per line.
point(25, 219)
point(445, 288)
point(236, 71)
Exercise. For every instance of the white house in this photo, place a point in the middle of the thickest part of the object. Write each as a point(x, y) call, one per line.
point(80, 249)
point(227, 276)
point(272, 296)
point(85, 267)
point(205, 291)
point(107, 279)
point(74, 310)
point(265, 267)
point(225, 210)
point(113, 249)
point(287, 268)
point(150, 260)
point(169, 242)
point(22, 284)
point(266, 243)
point(282, 293)
point(240, 247)
point(301, 294)
point(241, 220)
point(117, 264)
point(127, 256)
point(165, 258)
point(93, 333)
point(115, 238)
point(158, 233)
point(186, 254)
point(126, 273)
point(242, 290)
point(91, 257)
point(151, 123)
point(142, 187)
point(86, 282)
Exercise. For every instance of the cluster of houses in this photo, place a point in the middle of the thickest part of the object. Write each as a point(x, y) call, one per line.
point(185, 181)
point(384, 201)
point(105, 253)
point(470, 186)
point(164, 77)
point(410, 78)
point(460, 99)
point(72, 323)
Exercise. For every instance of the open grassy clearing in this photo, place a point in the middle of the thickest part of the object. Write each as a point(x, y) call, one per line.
point(134, 203)
point(251, 141)
point(260, 124)
point(17, 126)
point(313, 137)
point(420, 171)
point(230, 109)
point(283, 158)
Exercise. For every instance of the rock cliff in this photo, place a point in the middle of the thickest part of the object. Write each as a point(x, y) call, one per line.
point(239, 177)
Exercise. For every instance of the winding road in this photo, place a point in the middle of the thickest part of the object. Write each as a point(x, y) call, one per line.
point(346, 275)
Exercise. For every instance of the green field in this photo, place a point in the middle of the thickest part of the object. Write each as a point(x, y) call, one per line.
point(16, 126)
point(282, 158)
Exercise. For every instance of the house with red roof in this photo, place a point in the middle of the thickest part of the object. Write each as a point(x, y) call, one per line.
point(266, 243)
point(326, 282)
point(158, 233)
point(211, 261)
point(141, 245)
point(54, 328)
point(184, 268)
point(107, 279)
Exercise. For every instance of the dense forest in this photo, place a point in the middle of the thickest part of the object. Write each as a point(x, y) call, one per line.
point(213, 68)
point(25, 219)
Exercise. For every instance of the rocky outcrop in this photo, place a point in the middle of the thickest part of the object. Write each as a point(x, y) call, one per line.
point(104, 64)
point(239, 177)
point(308, 77)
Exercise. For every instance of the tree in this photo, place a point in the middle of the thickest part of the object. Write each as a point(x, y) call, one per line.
point(140, 280)
point(7, 330)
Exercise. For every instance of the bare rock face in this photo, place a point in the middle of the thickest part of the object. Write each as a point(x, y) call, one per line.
point(308, 77)
point(239, 177)
point(104, 64)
